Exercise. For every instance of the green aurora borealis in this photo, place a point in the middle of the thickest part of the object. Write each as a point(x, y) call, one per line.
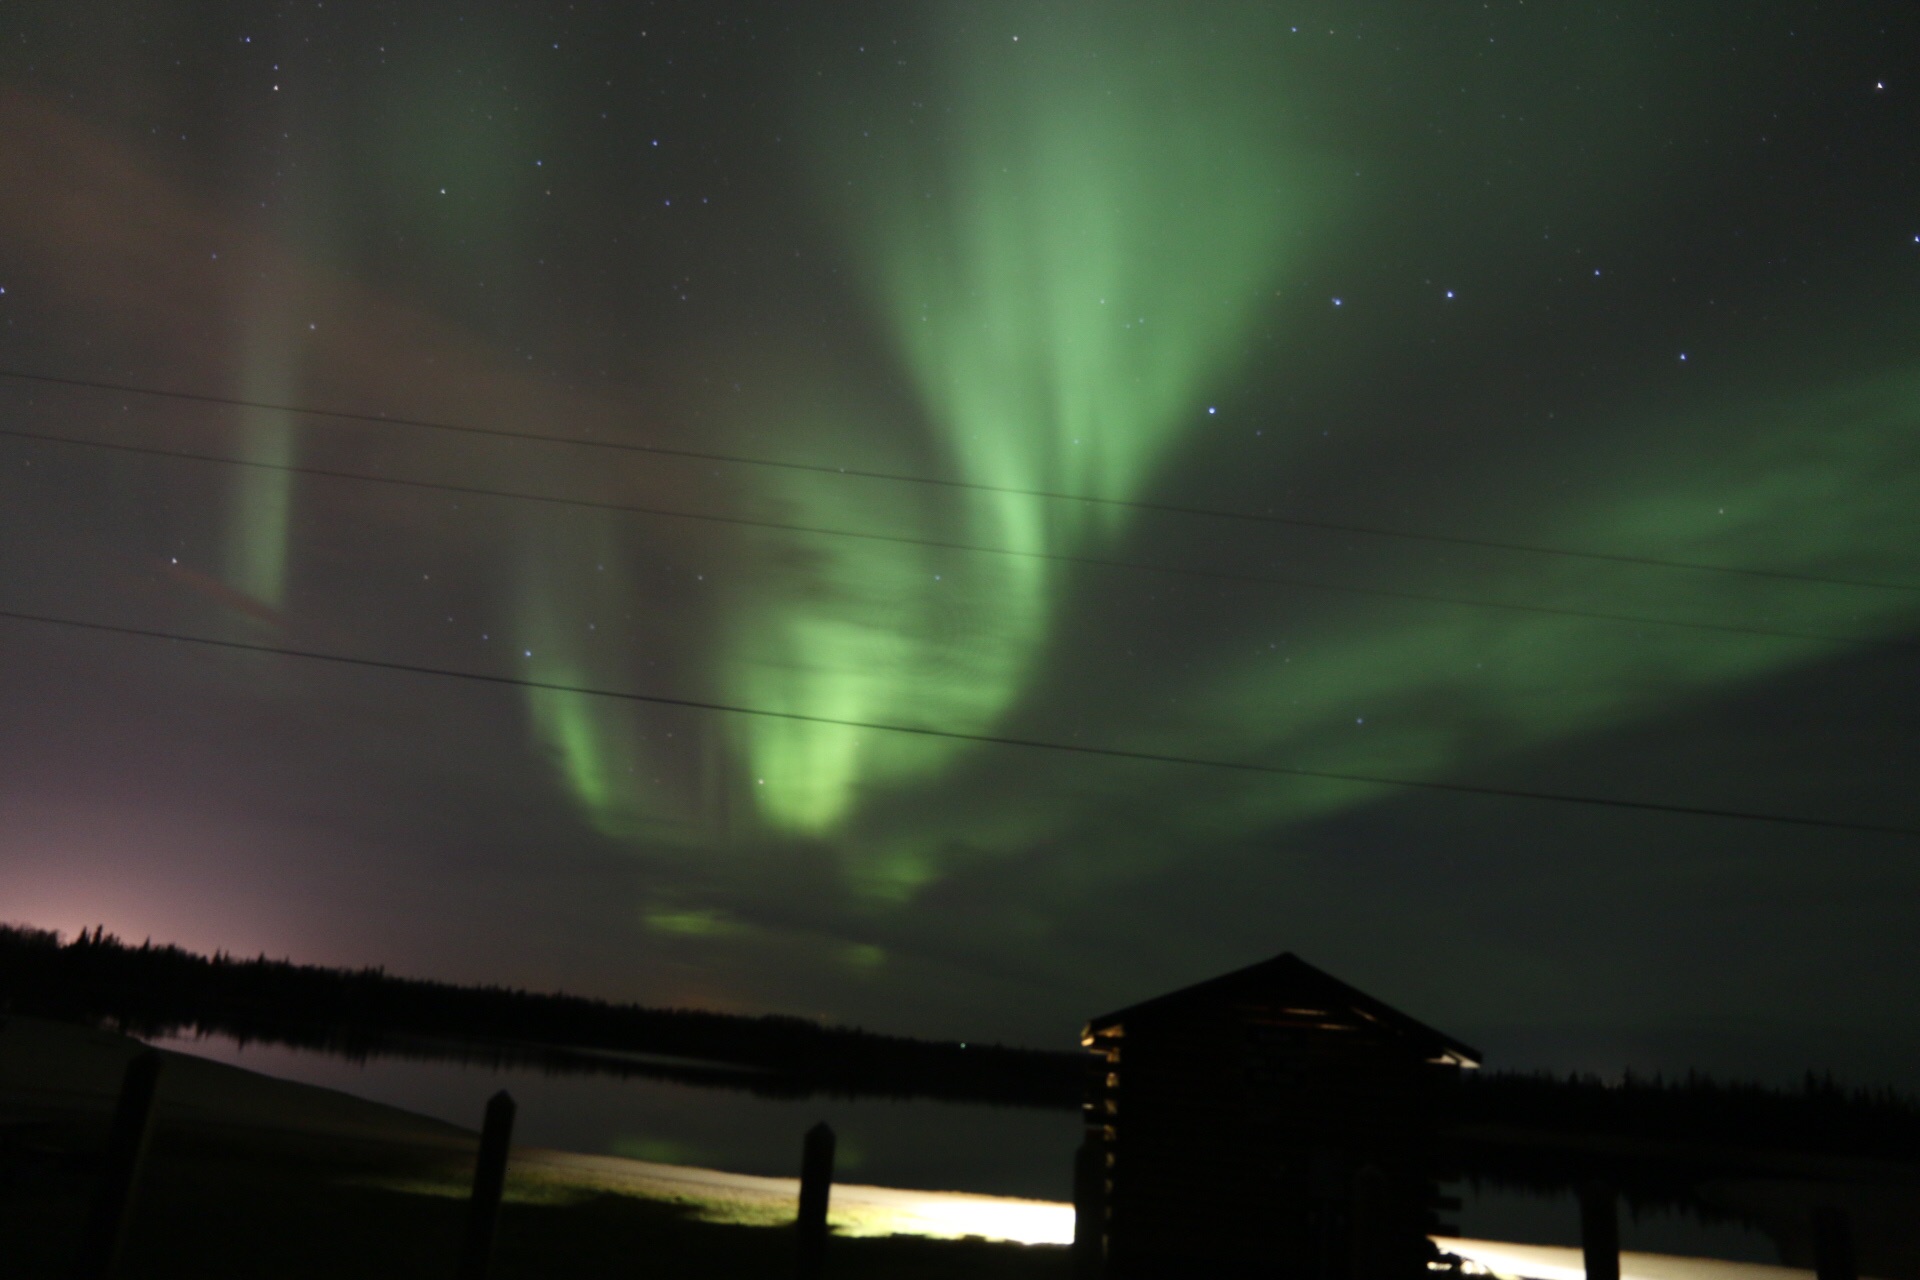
point(1014, 252)
point(1064, 263)
point(1549, 378)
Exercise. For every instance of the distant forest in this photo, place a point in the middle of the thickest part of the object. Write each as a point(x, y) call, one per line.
point(1821, 1116)
point(153, 991)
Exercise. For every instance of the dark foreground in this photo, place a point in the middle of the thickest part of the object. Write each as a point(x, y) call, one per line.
point(253, 1177)
point(212, 1211)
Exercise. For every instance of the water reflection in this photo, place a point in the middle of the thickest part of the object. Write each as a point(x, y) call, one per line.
point(361, 1048)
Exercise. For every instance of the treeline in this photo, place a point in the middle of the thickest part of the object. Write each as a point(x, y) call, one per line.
point(151, 990)
point(1820, 1116)
point(164, 990)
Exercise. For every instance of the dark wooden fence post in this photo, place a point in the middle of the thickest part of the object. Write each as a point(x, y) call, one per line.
point(1833, 1245)
point(1090, 1209)
point(1600, 1231)
point(816, 1182)
point(106, 1224)
point(489, 1180)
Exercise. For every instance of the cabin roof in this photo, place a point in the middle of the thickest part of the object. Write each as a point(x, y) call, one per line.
point(1288, 980)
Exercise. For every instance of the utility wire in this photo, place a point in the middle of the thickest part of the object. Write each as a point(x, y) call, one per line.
point(986, 739)
point(1218, 575)
point(1165, 508)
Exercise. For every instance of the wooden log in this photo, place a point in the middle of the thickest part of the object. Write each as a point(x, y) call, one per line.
point(104, 1234)
point(816, 1184)
point(489, 1180)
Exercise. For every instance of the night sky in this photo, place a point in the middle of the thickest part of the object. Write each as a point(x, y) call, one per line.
point(1497, 398)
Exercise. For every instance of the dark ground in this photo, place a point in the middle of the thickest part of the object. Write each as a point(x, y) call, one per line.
point(253, 1177)
point(219, 1210)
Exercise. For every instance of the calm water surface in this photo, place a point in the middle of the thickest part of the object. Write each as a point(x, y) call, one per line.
point(935, 1146)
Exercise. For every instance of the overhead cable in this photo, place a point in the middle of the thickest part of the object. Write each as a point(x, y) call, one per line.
point(1164, 508)
point(1104, 562)
point(984, 739)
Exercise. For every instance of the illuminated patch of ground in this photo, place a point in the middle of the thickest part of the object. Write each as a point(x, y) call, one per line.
point(562, 1177)
point(1554, 1262)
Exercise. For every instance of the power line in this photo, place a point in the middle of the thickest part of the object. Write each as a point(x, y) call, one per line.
point(1164, 508)
point(984, 739)
point(1219, 575)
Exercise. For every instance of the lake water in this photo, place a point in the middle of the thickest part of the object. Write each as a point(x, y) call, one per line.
point(925, 1145)
point(935, 1146)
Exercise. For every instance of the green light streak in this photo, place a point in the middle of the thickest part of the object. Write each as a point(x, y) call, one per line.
point(1065, 263)
point(1822, 483)
point(260, 518)
point(454, 158)
point(596, 749)
point(1816, 485)
point(262, 509)
point(858, 630)
point(696, 923)
point(1065, 254)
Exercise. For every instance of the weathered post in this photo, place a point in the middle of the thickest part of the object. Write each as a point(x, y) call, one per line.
point(106, 1224)
point(816, 1182)
point(1090, 1209)
point(1833, 1244)
point(1600, 1231)
point(489, 1180)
